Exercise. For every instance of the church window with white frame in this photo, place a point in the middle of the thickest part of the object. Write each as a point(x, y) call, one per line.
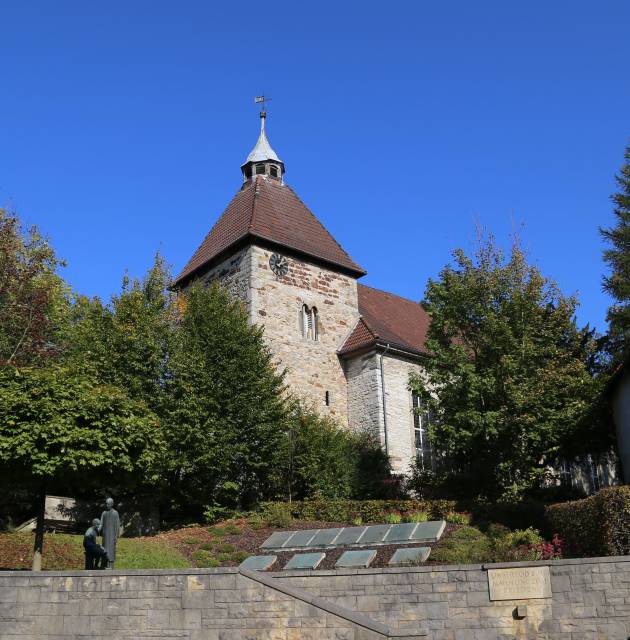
point(422, 418)
point(309, 322)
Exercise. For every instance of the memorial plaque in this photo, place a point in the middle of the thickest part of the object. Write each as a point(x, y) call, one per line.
point(401, 532)
point(305, 561)
point(277, 540)
point(301, 539)
point(258, 563)
point(428, 531)
point(375, 534)
point(325, 537)
point(410, 556)
point(521, 583)
point(350, 535)
point(356, 559)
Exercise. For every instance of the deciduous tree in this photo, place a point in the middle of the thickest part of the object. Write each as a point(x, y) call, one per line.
point(508, 378)
point(61, 428)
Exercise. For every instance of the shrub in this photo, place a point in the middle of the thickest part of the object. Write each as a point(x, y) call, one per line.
point(499, 544)
point(204, 559)
point(347, 511)
point(595, 526)
point(464, 546)
point(239, 556)
point(226, 548)
point(458, 518)
point(256, 522)
point(229, 529)
point(320, 458)
point(191, 540)
point(393, 518)
point(277, 514)
point(416, 516)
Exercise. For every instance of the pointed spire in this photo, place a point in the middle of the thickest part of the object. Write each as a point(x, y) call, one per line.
point(262, 151)
point(263, 160)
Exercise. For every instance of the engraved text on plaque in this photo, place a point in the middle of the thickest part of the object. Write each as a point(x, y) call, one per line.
point(519, 584)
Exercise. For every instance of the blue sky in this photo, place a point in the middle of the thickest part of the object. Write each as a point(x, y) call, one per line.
point(402, 125)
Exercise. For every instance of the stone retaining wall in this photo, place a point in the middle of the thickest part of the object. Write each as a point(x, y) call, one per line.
point(590, 599)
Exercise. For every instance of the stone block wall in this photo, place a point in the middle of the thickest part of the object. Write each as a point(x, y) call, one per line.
point(365, 406)
point(276, 303)
point(590, 600)
point(234, 274)
point(400, 432)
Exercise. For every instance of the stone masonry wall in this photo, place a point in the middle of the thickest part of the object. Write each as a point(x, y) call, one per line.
point(365, 407)
point(234, 274)
point(276, 303)
point(400, 433)
point(590, 600)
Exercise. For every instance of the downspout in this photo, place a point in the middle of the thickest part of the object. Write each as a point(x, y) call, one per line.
point(384, 400)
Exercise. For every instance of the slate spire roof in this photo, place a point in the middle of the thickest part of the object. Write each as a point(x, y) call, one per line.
point(262, 151)
point(269, 211)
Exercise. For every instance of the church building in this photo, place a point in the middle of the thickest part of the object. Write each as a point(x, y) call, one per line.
point(348, 348)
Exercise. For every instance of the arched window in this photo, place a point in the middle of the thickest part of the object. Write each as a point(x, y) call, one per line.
point(273, 171)
point(314, 324)
point(305, 320)
point(309, 322)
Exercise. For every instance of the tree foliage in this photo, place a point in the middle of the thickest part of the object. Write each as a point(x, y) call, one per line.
point(617, 256)
point(322, 459)
point(60, 426)
point(508, 378)
point(225, 414)
point(33, 299)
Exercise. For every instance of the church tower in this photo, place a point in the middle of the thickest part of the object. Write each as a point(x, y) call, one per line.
point(270, 251)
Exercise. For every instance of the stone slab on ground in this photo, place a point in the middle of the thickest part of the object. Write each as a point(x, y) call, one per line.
point(428, 531)
point(401, 532)
point(277, 540)
point(360, 559)
point(258, 563)
point(305, 561)
point(410, 556)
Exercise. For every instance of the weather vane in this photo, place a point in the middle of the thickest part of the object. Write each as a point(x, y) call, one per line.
point(261, 100)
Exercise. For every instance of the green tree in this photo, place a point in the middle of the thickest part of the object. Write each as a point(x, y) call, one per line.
point(322, 459)
point(508, 377)
point(225, 414)
point(61, 428)
point(128, 342)
point(34, 300)
point(617, 256)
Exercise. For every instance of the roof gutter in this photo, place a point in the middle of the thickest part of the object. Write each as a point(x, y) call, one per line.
point(384, 401)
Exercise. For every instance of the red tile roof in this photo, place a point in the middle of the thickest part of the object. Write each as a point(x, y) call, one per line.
point(389, 319)
point(271, 211)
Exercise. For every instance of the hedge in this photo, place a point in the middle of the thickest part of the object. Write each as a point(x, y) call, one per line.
point(595, 526)
point(367, 510)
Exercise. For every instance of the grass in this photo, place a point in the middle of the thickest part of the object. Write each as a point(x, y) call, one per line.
point(65, 551)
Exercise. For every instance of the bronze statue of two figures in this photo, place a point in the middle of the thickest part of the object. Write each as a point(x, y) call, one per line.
point(102, 556)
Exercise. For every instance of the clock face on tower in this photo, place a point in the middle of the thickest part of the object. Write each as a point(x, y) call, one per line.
point(279, 264)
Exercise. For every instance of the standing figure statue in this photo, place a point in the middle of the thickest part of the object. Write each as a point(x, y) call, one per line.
point(110, 529)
